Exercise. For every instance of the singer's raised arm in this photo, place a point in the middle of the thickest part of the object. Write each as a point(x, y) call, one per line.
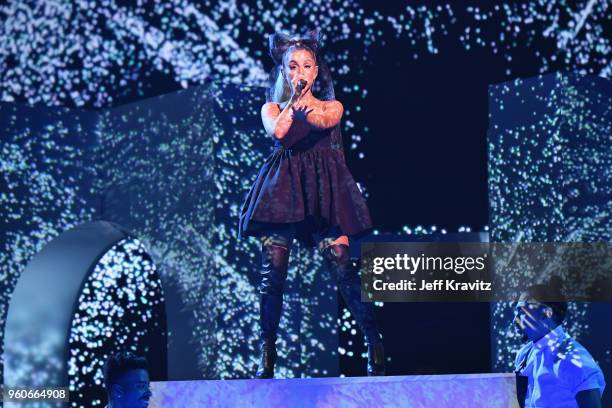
point(275, 122)
point(326, 118)
point(283, 126)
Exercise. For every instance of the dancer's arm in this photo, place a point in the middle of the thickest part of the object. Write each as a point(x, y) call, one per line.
point(324, 119)
point(286, 126)
point(589, 399)
point(275, 121)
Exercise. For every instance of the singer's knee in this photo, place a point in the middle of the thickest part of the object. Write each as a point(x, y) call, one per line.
point(338, 256)
point(274, 264)
point(334, 252)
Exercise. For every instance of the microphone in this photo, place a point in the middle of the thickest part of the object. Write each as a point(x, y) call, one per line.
point(301, 84)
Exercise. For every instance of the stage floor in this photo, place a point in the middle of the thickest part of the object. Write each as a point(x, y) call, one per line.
point(452, 391)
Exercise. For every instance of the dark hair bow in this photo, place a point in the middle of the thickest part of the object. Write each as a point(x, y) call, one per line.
point(279, 43)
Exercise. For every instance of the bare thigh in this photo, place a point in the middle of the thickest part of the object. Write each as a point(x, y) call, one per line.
point(342, 239)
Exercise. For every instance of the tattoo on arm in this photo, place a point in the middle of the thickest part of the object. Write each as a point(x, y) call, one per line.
point(276, 122)
point(327, 118)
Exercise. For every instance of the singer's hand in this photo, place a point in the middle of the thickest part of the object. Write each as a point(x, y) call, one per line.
point(296, 90)
point(301, 112)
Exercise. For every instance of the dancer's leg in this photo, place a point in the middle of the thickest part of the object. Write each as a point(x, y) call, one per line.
point(275, 249)
point(347, 276)
point(342, 239)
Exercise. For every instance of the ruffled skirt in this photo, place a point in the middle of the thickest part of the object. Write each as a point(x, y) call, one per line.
point(312, 189)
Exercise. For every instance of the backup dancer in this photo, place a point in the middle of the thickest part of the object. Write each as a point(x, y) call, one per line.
point(553, 369)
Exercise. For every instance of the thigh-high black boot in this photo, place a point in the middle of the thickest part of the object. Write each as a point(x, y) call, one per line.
point(338, 259)
point(274, 264)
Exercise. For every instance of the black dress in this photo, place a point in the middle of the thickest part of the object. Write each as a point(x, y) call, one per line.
point(308, 184)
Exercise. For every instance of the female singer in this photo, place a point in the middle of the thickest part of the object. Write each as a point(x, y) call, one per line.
point(305, 191)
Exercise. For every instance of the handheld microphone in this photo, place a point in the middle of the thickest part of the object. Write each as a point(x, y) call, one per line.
point(301, 85)
point(298, 89)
